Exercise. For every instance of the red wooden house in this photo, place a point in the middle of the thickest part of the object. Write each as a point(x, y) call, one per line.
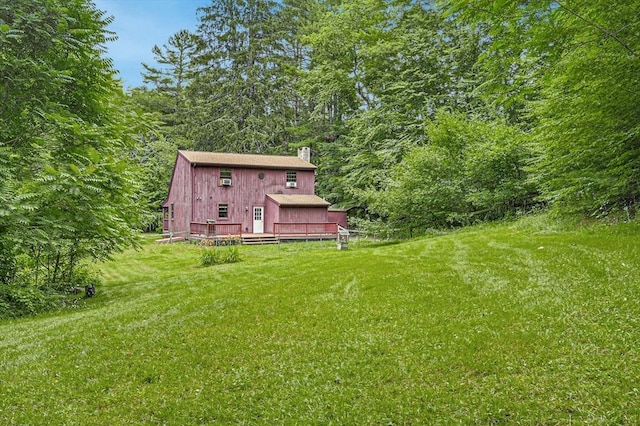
point(213, 194)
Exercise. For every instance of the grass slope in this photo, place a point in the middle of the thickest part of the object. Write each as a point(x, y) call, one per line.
point(515, 323)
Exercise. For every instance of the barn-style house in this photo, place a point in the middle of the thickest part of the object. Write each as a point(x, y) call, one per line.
point(220, 194)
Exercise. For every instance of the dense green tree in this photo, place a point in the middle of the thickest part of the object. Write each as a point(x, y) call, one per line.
point(336, 84)
point(168, 80)
point(589, 121)
point(164, 98)
point(573, 68)
point(244, 99)
point(65, 131)
point(425, 191)
point(379, 72)
point(472, 170)
point(296, 19)
point(175, 64)
point(155, 153)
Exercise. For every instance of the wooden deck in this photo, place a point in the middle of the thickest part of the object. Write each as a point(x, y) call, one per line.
point(265, 238)
point(230, 234)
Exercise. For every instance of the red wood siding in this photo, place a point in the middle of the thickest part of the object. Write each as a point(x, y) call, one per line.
point(271, 215)
point(338, 217)
point(303, 215)
point(246, 191)
point(180, 197)
point(276, 214)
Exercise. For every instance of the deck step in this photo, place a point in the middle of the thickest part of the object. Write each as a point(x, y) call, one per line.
point(259, 240)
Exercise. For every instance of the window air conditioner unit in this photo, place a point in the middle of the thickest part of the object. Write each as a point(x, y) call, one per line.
point(226, 182)
point(292, 184)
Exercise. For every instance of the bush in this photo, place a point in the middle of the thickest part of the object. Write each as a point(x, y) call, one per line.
point(7, 264)
point(29, 293)
point(81, 278)
point(210, 257)
point(232, 255)
point(472, 171)
point(18, 300)
point(217, 256)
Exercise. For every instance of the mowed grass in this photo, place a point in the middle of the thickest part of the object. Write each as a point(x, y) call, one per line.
point(523, 323)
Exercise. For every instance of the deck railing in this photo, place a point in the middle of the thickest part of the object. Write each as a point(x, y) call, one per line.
point(305, 229)
point(209, 229)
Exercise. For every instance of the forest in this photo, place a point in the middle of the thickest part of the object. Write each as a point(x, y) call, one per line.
point(420, 115)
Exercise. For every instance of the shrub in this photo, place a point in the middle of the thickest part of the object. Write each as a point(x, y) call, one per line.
point(21, 300)
point(29, 292)
point(232, 255)
point(217, 256)
point(81, 278)
point(210, 257)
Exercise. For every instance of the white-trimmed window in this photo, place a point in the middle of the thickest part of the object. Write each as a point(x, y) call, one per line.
point(225, 177)
point(292, 179)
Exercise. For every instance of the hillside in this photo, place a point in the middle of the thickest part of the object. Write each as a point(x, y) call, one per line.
point(526, 323)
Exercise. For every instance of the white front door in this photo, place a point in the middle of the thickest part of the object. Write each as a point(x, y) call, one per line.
point(258, 220)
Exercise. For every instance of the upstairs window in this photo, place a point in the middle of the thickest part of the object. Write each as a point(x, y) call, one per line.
point(292, 179)
point(225, 177)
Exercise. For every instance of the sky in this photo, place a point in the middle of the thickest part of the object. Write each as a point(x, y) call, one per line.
point(141, 24)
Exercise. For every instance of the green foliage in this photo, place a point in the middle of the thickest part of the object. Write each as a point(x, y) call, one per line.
point(169, 79)
point(82, 277)
point(31, 289)
point(232, 255)
point(571, 69)
point(217, 256)
point(592, 160)
point(156, 157)
point(22, 294)
point(426, 190)
point(493, 157)
point(210, 257)
point(65, 132)
point(383, 82)
point(176, 66)
point(17, 300)
point(29, 282)
point(164, 105)
point(472, 170)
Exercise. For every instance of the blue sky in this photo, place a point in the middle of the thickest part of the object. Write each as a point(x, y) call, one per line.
point(141, 24)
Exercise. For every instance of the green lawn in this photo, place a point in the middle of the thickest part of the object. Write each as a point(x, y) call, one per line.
point(524, 323)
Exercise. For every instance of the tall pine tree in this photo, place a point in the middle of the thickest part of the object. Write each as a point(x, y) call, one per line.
point(244, 98)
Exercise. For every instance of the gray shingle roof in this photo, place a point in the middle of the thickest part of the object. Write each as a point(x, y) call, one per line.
point(247, 160)
point(298, 200)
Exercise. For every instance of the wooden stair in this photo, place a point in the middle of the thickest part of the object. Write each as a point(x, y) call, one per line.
point(262, 239)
